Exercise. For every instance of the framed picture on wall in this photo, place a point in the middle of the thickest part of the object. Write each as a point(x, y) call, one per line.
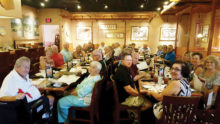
point(205, 33)
point(167, 34)
point(139, 33)
point(84, 33)
point(2, 31)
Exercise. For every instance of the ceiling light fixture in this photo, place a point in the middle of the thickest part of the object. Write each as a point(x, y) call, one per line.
point(158, 9)
point(78, 7)
point(42, 4)
point(166, 3)
point(142, 5)
point(106, 7)
point(46, 0)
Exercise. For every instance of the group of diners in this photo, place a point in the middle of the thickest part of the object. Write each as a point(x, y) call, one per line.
point(126, 74)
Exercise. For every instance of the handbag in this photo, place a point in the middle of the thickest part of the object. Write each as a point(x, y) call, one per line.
point(158, 110)
point(135, 101)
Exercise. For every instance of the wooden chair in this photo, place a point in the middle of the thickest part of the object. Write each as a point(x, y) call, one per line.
point(210, 116)
point(178, 110)
point(93, 109)
point(119, 108)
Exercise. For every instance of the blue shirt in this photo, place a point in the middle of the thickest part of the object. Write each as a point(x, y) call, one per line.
point(67, 55)
point(171, 56)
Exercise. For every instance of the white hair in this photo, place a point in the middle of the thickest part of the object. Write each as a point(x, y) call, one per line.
point(97, 64)
point(20, 61)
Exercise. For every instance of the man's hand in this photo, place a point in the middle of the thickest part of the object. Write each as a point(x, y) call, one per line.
point(20, 96)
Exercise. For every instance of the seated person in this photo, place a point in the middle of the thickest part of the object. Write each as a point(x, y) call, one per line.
point(57, 57)
point(90, 47)
point(197, 62)
point(125, 85)
point(164, 49)
point(97, 56)
point(108, 55)
point(102, 47)
point(196, 69)
point(135, 73)
point(81, 96)
point(159, 50)
point(117, 49)
point(179, 86)
point(170, 56)
point(17, 84)
point(211, 76)
point(144, 50)
point(187, 58)
point(46, 60)
point(67, 55)
point(78, 53)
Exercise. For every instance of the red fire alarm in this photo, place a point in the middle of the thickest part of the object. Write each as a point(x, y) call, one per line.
point(48, 20)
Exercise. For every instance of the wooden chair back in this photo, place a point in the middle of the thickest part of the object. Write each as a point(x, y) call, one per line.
point(178, 109)
point(93, 108)
point(119, 107)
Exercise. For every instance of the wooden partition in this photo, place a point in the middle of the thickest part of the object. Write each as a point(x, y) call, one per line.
point(8, 60)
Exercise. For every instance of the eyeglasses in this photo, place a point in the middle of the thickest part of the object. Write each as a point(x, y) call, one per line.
point(175, 69)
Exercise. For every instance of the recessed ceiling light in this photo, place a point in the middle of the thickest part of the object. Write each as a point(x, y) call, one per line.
point(46, 0)
point(142, 6)
point(166, 2)
point(78, 7)
point(158, 9)
point(106, 7)
point(42, 4)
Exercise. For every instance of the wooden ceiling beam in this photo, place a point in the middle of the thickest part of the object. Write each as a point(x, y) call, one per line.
point(185, 10)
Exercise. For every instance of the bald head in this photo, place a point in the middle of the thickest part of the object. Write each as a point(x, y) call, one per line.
point(96, 55)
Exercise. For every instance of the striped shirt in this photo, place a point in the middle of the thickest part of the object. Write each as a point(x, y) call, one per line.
point(184, 89)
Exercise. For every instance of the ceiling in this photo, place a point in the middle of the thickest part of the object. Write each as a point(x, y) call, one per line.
point(98, 5)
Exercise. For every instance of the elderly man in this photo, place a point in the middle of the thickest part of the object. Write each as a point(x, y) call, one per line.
point(81, 96)
point(125, 84)
point(57, 57)
point(135, 73)
point(170, 56)
point(17, 85)
point(67, 55)
point(117, 49)
point(145, 49)
point(102, 47)
point(97, 56)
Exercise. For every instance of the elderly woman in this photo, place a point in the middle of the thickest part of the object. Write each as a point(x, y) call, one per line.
point(46, 60)
point(211, 75)
point(81, 96)
point(179, 86)
point(78, 53)
point(57, 57)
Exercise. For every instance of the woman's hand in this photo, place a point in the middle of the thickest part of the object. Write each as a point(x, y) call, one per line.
point(20, 96)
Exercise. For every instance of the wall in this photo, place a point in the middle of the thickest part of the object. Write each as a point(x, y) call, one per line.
point(16, 12)
point(99, 35)
point(6, 40)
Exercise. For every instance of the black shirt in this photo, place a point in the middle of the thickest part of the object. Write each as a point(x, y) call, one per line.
point(104, 67)
point(123, 78)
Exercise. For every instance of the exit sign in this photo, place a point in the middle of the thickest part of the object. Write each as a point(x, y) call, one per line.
point(48, 20)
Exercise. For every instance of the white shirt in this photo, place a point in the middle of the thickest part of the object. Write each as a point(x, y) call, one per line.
point(13, 82)
point(102, 49)
point(117, 51)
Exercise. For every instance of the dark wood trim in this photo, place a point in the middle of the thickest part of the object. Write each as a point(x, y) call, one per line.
point(212, 27)
point(189, 30)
